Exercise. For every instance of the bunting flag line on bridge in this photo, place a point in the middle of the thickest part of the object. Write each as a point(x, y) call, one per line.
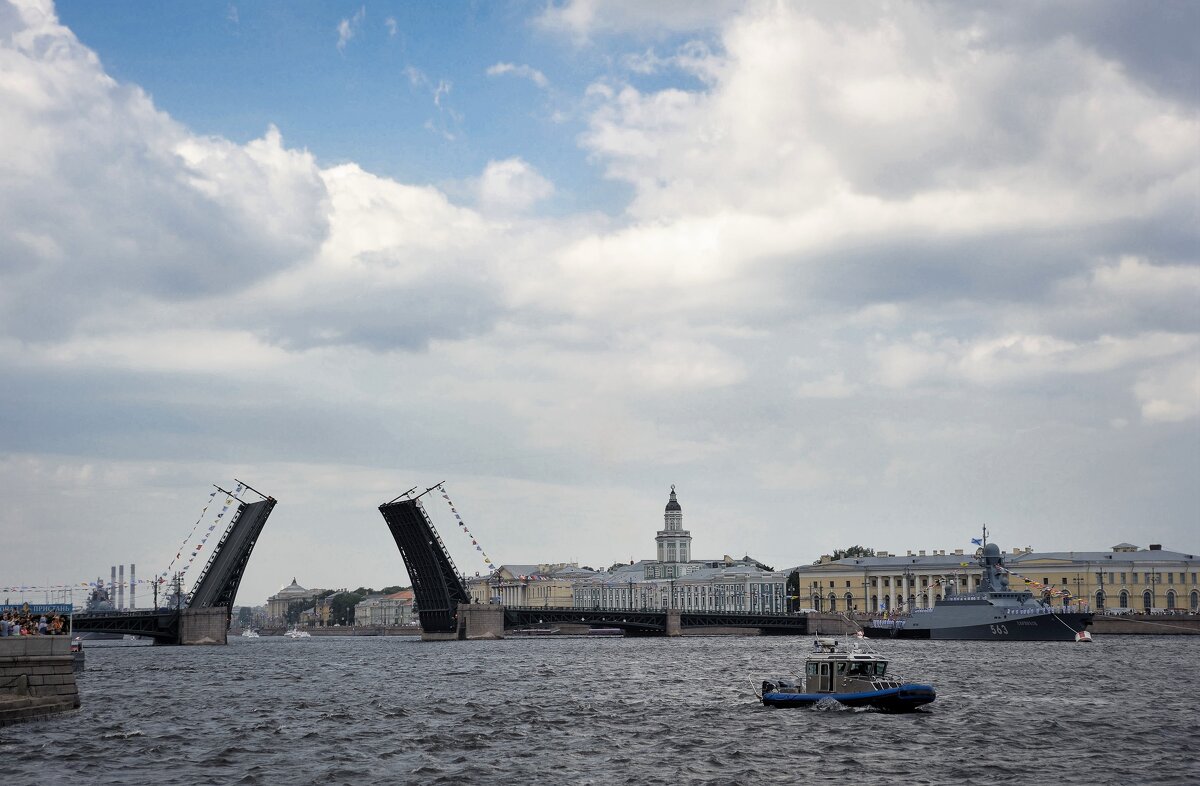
point(73, 585)
point(474, 541)
point(195, 549)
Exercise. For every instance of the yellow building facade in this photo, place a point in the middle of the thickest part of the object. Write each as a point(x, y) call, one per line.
point(1126, 578)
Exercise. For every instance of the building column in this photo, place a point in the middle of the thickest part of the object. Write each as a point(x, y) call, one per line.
point(904, 589)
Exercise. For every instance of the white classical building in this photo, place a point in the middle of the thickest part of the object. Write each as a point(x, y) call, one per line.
point(279, 603)
point(675, 580)
point(674, 545)
point(388, 610)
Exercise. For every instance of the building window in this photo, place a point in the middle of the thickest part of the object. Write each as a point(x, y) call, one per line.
point(1171, 599)
point(1122, 577)
point(1170, 578)
point(847, 584)
point(1124, 599)
point(1134, 575)
point(1045, 580)
point(831, 585)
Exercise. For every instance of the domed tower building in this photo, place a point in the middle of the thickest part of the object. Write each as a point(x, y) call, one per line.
point(674, 542)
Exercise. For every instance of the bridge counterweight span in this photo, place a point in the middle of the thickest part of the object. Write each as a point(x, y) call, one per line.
point(437, 587)
point(218, 582)
point(215, 590)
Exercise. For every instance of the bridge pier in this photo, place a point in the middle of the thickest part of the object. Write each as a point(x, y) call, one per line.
point(204, 626)
point(480, 621)
point(674, 627)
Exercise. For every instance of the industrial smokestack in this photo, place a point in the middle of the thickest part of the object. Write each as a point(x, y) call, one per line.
point(121, 588)
point(112, 587)
point(132, 586)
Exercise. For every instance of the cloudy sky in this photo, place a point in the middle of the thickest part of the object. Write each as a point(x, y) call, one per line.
point(844, 273)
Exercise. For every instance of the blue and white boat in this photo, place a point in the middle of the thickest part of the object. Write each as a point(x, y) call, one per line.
point(853, 678)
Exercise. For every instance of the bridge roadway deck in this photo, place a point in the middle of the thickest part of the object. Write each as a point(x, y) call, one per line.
point(653, 622)
point(162, 625)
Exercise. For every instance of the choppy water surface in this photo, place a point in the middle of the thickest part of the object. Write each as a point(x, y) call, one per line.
point(397, 710)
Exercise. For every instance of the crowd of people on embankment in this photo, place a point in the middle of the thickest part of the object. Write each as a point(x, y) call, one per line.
point(17, 624)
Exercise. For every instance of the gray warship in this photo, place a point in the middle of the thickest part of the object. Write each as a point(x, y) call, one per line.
point(993, 612)
point(99, 599)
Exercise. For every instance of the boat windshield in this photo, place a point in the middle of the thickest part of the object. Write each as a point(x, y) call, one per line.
point(870, 669)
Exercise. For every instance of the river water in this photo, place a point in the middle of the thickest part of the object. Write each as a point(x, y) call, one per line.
point(580, 711)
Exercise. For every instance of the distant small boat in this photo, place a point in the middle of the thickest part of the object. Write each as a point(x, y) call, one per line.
point(250, 633)
point(296, 633)
point(77, 657)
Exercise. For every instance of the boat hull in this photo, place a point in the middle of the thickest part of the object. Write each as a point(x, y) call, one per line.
point(1043, 627)
point(905, 698)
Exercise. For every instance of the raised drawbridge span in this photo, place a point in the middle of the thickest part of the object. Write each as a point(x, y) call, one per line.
point(204, 614)
point(437, 587)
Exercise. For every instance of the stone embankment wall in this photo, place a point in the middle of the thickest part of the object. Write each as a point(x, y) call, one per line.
point(344, 630)
point(832, 625)
point(37, 678)
point(1114, 625)
point(1147, 625)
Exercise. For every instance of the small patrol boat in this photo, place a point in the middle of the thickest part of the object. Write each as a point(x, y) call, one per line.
point(851, 677)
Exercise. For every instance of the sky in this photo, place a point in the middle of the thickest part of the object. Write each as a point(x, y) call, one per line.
point(857, 273)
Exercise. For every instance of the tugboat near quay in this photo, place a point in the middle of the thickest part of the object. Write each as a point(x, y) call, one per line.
point(853, 678)
point(992, 612)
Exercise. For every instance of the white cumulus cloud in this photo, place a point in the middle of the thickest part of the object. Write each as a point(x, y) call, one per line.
point(523, 71)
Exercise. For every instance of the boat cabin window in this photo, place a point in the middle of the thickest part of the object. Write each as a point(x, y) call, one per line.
point(841, 668)
point(810, 669)
point(872, 669)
